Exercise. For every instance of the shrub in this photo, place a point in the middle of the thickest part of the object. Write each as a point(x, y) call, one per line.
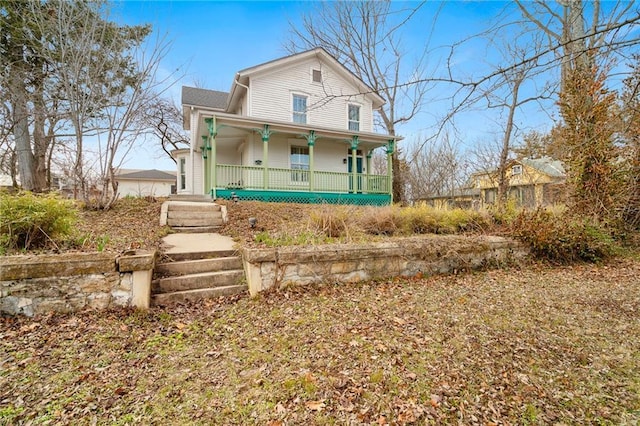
point(30, 221)
point(504, 214)
point(424, 219)
point(418, 220)
point(380, 220)
point(332, 221)
point(563, 238)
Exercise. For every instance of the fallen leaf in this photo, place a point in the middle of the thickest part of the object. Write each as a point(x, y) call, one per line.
point(399, 321)
point(280, 409)
point(435, 400)
point(315, 405)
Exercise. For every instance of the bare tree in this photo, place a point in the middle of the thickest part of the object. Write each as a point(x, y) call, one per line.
point(436, 169)
point(363, 37)
point(164, 119)
point(127, 119)
point(579, 27)
point(95, 67)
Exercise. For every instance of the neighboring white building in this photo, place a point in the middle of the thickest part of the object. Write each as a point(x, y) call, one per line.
point(145, 183)
point(299, 128)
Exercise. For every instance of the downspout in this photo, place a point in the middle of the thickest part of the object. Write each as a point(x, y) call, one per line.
point(248, 95)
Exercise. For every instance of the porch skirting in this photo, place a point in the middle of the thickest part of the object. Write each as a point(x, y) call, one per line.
point(305, 197)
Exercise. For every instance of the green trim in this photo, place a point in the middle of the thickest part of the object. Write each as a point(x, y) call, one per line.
point(265, 133)
point(311, 137)
point(306, 197)
point(391, 146)
point(354, 142)
point(211, 124)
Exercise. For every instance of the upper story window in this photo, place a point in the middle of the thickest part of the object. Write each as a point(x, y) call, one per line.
point(354, 117)
point(300, 109)
point(516, 170)
point(316, 76)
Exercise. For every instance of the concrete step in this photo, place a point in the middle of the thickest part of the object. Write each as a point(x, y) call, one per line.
point(200, 294)
point(197, 281)
point(190, 197)
point(186, 267)
point(196, 229)
point(201, 221)
point(179, 206)
point(195, 255)
point(190, 214)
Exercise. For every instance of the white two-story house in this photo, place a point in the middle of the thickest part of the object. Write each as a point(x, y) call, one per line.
point(295, 129)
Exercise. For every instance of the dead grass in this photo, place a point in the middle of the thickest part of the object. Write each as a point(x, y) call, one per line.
point(534, 346)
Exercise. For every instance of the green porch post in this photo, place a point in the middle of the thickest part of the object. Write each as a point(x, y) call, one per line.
point(311, 141)
point(369, 154)
point(390, 148)
point(213, 132)
point(354, 163)
point(265, 133)
point(205, 162)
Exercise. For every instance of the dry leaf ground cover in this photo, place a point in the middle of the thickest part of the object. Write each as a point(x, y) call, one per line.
point(540, 345)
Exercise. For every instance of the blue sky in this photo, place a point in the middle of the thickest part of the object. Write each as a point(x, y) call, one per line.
point(212, 40)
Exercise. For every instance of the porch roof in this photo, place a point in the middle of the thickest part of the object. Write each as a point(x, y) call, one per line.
point(257, 124)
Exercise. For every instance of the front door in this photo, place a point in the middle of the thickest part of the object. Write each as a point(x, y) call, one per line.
point(358, 171)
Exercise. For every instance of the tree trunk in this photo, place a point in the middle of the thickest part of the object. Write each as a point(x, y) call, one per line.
point(40, 140)
point(503, 180)
point(398, 180)
point(26, 163)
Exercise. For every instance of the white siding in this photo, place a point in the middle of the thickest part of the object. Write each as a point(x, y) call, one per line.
point(327, 154)
point(271, 96)
point(198, 179)
point(144, 188)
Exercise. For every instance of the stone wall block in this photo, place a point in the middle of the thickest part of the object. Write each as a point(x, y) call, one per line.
point(99, 300)
point(121, 298)
point(259, 255)
point(313, 270)
point(125, 282)
point(61, 265)
point(139, 261)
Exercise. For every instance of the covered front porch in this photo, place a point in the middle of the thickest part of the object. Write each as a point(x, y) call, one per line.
point(242, 158)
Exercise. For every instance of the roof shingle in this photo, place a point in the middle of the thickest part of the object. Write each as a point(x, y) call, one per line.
point(147, 175)
point(204, 97)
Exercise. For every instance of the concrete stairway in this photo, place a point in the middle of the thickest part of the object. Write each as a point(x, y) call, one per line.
point(196, 276)
point(192, 216)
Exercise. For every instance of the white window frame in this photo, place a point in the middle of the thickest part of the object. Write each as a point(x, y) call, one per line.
point(182, 176)
point(516, 170)
point(299, 176)
point(294, 112)
point(353, 104)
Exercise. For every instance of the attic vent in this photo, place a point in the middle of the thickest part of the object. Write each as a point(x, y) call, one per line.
point(316, 76)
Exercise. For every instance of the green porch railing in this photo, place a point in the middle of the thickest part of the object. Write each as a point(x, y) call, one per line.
point(251, 177)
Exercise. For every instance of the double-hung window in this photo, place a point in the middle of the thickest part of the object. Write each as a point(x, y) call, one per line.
point(354, 117)
point(300, 163)
point(300, 109)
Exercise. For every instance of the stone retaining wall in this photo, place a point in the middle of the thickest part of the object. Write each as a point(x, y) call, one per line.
point(437, 254)
point(31, 285)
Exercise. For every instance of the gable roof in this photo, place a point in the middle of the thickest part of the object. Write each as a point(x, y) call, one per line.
point(204, 97)
point(152, 174)
point(319, 53)
point(547, 165)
